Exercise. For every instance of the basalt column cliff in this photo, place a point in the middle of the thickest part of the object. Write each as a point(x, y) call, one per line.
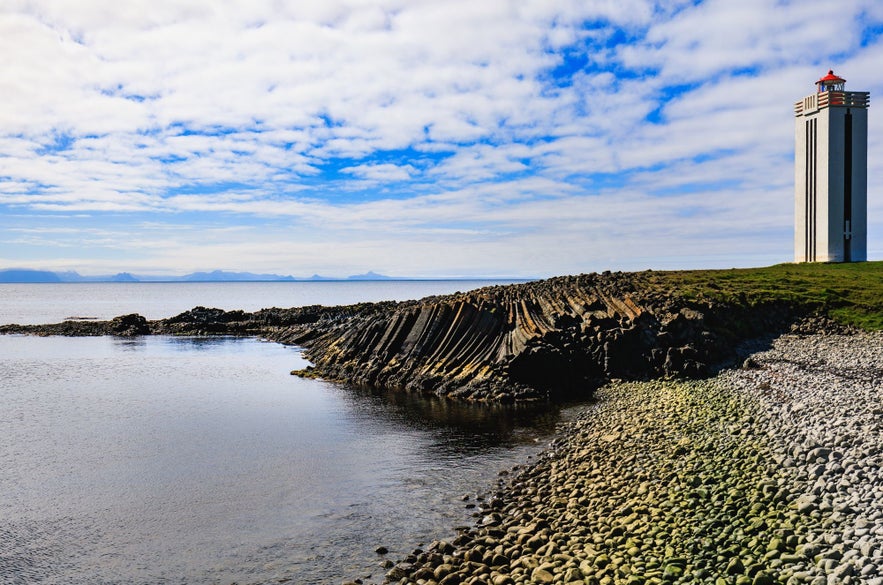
point(554, 338)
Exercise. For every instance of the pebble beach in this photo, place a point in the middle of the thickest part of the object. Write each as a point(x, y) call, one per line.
point(767, 473)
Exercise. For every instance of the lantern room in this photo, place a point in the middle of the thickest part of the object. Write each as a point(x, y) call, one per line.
point(831, 82)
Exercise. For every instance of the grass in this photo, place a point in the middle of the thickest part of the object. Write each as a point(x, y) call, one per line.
point(848, 293)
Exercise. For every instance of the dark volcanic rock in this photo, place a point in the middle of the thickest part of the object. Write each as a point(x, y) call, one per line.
point(123, 326)
point(129, 325)
point(211, 321)
point(554, 338)
point(126, 325)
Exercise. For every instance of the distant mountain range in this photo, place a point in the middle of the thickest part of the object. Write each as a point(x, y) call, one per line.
point(26, 275)
point(20, 275)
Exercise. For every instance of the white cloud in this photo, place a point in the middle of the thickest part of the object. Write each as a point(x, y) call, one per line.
point(382, 172)
point(718, 36)
point(418, 132)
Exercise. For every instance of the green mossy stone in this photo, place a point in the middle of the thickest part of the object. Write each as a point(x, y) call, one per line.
point(735, 567)
point(672, 572)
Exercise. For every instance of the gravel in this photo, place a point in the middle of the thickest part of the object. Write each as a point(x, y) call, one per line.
point(766, 474)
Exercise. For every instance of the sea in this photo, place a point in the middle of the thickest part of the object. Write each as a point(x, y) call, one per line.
point(201, 460)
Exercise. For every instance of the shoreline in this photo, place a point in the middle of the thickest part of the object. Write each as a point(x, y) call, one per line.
point(768, 473)
point(555, 340)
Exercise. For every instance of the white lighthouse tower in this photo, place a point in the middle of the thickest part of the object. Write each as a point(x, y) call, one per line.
point(831, 174)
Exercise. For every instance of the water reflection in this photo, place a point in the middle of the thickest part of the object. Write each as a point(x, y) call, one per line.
point(129, 343)
point(459, 426)
point(182, 343)
point(133, 460)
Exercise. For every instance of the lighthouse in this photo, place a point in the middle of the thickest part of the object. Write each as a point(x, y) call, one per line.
point(831, 174)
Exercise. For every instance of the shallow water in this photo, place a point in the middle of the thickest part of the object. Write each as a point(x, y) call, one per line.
point(37, 303)
point(181, 460)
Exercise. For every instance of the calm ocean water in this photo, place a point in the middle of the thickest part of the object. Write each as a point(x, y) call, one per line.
point(197, 461)
point(53, 303)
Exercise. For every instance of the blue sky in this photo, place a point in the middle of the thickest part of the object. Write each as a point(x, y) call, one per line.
point(415, 138)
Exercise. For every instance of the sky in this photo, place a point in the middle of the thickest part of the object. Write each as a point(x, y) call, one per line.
point(423, 138)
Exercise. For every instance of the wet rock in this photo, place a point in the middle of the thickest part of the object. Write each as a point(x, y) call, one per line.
point(129, 325)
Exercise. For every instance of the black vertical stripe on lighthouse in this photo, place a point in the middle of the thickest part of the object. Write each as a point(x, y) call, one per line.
point(812, 191)
point(811, 153)
point(847, 187)
point(815, 190)
point(811, 211)
point(807, 194)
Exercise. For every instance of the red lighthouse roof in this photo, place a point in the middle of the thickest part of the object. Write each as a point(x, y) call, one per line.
point(830, 79)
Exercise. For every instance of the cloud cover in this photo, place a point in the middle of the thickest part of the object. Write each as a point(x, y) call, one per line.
point(414, 137)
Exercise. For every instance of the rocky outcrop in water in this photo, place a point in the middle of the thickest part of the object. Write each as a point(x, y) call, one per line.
point(201, 321)
point(122, 326)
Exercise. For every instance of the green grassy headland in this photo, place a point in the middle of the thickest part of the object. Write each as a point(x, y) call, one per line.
point(849, 293)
